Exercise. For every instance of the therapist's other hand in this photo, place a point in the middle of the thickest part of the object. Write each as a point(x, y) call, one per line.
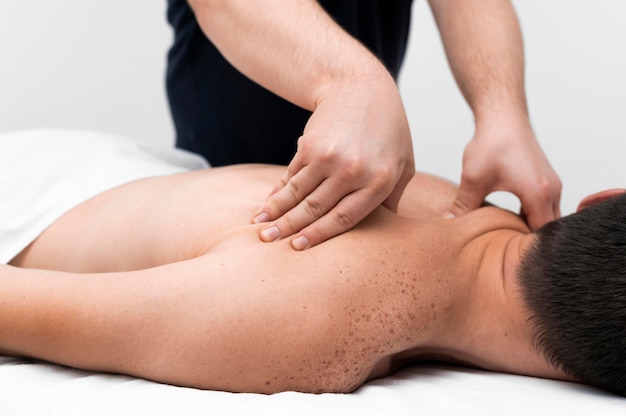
point(355, 153)
point(505, 157)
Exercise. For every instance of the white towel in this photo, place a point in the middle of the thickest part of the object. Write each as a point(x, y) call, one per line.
point(45, 173)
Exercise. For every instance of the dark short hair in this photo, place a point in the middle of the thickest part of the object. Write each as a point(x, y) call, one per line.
point(573, 282)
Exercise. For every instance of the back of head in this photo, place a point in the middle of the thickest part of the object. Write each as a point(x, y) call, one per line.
point(573, 282)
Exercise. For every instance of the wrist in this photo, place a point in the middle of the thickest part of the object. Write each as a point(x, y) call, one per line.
point(365, 77)
point(501, 106)
point(502, 118)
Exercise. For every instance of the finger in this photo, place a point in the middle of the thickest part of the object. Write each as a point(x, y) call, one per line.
point(541, 205)
point(342, 217)
point(313, 207)
point(289, 196)
point(556, 200)
point(538, 214)
point(293, 168)
point(556, 210)
point(469, 196)
point(282, 182)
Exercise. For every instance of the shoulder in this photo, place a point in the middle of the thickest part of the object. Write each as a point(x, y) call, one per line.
point(427, 195)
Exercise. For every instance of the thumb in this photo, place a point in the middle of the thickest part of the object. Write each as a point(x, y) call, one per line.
point(467, 199)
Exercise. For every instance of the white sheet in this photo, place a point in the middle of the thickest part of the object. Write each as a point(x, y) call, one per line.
point(32, 388)
point(29, 388)
point(36, 189)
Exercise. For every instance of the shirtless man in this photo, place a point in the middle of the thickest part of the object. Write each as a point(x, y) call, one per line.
point(165, 278)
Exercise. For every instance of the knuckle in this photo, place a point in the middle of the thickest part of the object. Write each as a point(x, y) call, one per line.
point(473, 170)
point(305, 143)
point(343, 219)
point(288, 226)
point(282, 182)
point(543, 189)
point(294, 189)
point(383, 175)
point(461, 206)
point(313, 208)
point(274, 205)
point(352, 168)
point(328, 156)
point(471, 177)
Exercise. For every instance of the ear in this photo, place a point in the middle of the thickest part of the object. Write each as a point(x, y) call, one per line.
point(599, 196)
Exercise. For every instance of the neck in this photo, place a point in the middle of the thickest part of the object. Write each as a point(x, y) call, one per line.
point(459, 298)
point(480, 319)
point(494, 334)
point(484, 324)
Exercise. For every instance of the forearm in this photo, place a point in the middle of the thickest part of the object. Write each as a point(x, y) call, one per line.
point(291, 47)
point(483, 42)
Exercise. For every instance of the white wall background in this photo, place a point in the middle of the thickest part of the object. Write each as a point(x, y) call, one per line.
point(100, 65)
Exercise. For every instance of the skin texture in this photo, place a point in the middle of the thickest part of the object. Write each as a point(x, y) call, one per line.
point(355, 152)
point(135, 283)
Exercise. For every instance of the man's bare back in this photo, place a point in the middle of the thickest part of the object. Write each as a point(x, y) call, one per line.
point(358, 303)
point(161, 220)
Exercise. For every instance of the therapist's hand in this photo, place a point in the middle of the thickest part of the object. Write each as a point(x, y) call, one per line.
point(507, 157)
point(355, 153)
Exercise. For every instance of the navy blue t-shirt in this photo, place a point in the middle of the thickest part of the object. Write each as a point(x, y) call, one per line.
point(227, 118)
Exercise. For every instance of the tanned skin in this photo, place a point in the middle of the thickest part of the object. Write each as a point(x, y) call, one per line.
point(165, 278)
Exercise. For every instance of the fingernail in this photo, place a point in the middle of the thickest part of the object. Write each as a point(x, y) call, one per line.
point(262, 217)
point(300, 243)
point(449, 215)
point(270, 234)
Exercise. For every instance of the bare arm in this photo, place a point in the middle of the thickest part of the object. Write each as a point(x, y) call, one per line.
point(355, 152)
point(484, 46)
point(197, 323)
point(292, 48)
